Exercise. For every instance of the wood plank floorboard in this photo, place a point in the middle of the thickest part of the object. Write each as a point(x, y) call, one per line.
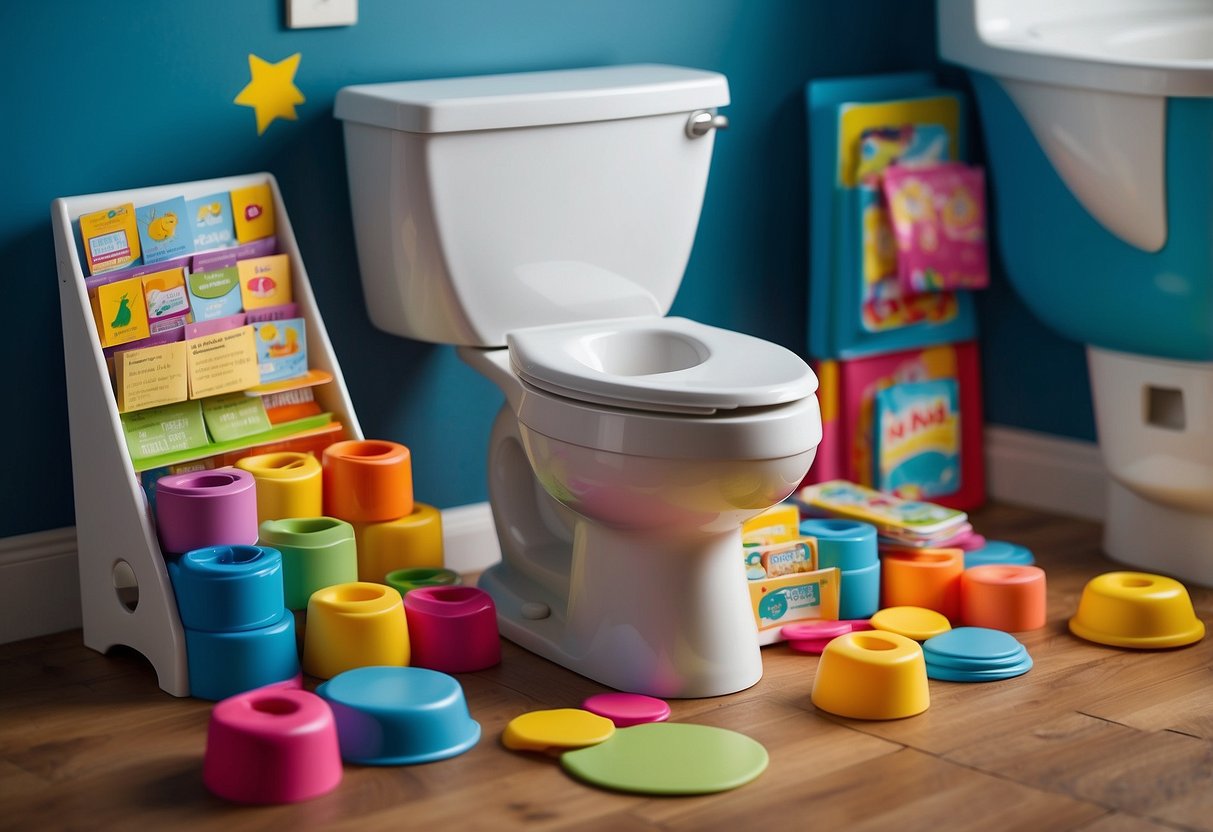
point(1092, 739)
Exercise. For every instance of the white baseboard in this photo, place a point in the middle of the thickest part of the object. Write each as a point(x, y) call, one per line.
point(40, 591)
point(1051, 473)
point(39, 584)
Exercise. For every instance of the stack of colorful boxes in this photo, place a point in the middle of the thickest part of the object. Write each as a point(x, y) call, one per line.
point(891, 320)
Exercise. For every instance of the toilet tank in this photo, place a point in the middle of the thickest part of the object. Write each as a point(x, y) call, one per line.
point(487, 204)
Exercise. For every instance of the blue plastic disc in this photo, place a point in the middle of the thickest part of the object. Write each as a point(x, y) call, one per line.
point(972, 644)
point(953, 663)
point(951, 674)
point(999, 551)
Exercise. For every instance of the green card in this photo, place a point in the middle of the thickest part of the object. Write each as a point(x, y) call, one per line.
point(234, 416)
point(161, 430)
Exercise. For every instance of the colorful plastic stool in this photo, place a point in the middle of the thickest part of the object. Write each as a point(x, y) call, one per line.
point(354, 625)
point(928, 578)
point(1136, 610)
point(317, 552)
point(452, 628)
point(1003, 597)
point(850, 546)
point(392, 716)
point(406, 580)
point(556, 728)
point(271, 746)
point(228, 587)
point(414, 540)
point(872, 675)
point(206, 508)
point(669, 758)
point(627, 709)
point(915, 623)
point(366, 481)
point(288, 484)
point(223, 664)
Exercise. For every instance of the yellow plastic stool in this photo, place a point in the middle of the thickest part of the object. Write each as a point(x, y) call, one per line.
point(411, 541)
point(288, 485)
point(558, 728)
point(872, 675)
point(1136, 610)
point(354, 625)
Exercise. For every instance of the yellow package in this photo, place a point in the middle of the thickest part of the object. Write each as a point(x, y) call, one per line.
point(796, 597)
point(110, 237)
point(120, 312)
point(253, 212)
point(778, 523)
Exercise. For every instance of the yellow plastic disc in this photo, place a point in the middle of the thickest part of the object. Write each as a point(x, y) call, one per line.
point(558, 728)
point(917, 623)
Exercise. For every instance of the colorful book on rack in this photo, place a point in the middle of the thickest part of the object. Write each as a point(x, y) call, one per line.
point(886, 512)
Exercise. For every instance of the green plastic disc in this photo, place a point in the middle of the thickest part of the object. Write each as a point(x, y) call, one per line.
point(669, 758)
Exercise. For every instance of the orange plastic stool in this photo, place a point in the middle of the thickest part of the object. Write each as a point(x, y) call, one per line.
point(367, 481)
point(1003, 597)
point(928, 578)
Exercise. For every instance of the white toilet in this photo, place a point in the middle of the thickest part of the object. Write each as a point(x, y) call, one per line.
point(1098, 124)
point(542, 221)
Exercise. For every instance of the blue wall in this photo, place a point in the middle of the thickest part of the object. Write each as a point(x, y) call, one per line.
point(118, 96)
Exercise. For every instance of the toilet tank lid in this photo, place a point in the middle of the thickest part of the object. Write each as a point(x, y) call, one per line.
point(528, 99)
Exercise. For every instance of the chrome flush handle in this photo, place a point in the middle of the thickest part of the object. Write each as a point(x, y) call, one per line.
point(701, 121)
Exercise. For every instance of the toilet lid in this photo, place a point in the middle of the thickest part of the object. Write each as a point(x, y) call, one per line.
point(669, 365)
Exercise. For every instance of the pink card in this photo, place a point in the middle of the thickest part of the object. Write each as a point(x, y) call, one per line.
point(938, 215)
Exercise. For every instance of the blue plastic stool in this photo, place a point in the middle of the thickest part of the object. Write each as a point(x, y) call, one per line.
point(849, 545)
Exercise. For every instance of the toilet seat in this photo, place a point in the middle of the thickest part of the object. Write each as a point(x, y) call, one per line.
point(667, 365)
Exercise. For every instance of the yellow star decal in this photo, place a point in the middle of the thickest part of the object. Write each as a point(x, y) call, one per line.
point(272, 91)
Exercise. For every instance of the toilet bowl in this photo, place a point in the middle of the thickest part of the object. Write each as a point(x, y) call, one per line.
point(1097, 117)
point(619, 496)
point(541, 222)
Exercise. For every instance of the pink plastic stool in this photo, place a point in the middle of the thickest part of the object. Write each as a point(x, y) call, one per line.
point(1006, 597)
point(272, 745)
point(452, 628)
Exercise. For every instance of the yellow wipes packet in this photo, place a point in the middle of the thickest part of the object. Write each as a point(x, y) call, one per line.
point(110, 237)
point(253, 212)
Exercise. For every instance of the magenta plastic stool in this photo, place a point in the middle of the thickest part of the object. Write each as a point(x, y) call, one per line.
point(272, 745)
point(206, 508)
point(452, 628)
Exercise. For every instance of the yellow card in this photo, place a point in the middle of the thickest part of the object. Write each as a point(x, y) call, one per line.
point(151, 377)
point(265, 281)
point(856, 118)
point(121, 312)
point(253, 212)
point(110, 237)
point(223, 363)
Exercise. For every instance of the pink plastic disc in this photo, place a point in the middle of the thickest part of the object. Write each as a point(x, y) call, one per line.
point(815, 630)
point(811, 646)
point(858, 624)
point(626, 709)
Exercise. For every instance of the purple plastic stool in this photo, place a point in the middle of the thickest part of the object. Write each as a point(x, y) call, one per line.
point(206, 508)
point(272, 745)
point(452, 628)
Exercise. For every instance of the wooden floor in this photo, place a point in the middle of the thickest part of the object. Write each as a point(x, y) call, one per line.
point(1092, 738)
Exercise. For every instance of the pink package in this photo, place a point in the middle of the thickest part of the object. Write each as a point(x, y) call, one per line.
point(938, 214)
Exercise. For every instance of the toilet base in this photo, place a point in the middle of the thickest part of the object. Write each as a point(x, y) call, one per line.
point(1157, 538)
point(670, 619)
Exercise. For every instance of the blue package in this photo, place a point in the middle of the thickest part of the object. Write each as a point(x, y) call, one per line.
point(164, 230)
point(214, 294)
point(281, 349)
point(917, 447)
point(210, 220)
